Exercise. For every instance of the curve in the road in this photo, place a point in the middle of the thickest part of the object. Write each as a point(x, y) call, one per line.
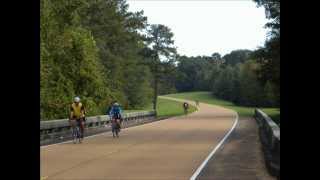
point(176, 148)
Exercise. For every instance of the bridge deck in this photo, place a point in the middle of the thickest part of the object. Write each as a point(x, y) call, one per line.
point(168, 149)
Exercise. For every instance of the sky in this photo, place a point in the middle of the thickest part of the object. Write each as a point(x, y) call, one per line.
point(208, 26)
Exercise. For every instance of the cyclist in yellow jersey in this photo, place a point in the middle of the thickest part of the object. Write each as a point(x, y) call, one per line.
point(77, 112)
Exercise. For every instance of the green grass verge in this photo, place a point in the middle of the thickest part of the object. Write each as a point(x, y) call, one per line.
point(166, 108)
point(273, 113)
point(206, 97)
point(171, 108)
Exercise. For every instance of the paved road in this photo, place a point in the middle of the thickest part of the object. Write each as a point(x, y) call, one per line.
point(171, 149)
point(241, 157)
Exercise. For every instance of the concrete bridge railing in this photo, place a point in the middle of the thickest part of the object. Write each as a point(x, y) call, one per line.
point(54, 131)
point(269, 133)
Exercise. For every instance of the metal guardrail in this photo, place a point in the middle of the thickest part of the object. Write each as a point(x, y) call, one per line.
point(269, 133)
point(51, 131)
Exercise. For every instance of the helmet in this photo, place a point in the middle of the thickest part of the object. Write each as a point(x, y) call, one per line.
point(116, 104)
point(77, 99)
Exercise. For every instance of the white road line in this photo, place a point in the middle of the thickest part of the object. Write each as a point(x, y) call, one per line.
point(197, 172)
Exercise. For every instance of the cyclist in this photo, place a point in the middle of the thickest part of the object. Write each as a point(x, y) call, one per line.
point(185, 107)
point(115, 114)
point(77, 112)
point(197, 103)
point(109, 110)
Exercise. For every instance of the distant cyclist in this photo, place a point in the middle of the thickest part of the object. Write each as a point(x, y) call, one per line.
point(115, 114)
point(197, 103)
point(77, 113)
point(185, 107)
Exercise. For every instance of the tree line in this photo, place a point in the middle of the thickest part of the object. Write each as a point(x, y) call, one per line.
point(233, 77)
point(100, 51)
point(91, 49)
point(249, 78)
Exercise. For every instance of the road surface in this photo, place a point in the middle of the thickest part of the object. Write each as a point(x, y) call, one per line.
point(171, 149)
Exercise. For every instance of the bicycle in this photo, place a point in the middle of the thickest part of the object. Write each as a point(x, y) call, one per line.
point(185, 111)
point(185, 107)
point(116, 127)
point(76, 133)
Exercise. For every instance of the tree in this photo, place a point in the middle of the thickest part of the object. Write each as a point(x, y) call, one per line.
point(271, 99)
point(236, 56)
point(91, 49)
point(195, 73)
point(272, 11)
point(269, 55)
point(216, 70)
point(69, 60)
point(216, 56)
point(224, 85)
point(159, 40)
point(252, 93)
point(138, 88)
point(120, 43)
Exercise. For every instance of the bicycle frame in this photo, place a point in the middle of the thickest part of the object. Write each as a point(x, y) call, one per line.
point(76, 133)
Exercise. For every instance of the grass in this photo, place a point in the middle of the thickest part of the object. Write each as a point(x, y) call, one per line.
point(206, 97)
point(273, 113)
point(166, 108)
point(171, 108)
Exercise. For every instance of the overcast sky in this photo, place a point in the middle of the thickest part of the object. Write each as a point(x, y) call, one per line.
point(208, 26)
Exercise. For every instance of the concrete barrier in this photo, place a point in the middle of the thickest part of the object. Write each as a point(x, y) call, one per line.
point(269, 133)
point(55, 131)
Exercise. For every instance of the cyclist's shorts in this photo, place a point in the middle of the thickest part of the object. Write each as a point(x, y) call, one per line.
point(117, 116)
point(79, 121)
point(73, 122)
point(115, 125)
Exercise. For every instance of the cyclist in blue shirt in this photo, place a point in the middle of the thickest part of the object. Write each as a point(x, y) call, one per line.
point(115, 114)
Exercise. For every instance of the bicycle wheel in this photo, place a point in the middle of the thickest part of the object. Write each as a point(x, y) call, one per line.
point(117, 132)
point(78, 134)
point(74, 135)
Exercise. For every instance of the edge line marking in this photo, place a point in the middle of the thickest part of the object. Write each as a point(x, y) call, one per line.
point(204, 163)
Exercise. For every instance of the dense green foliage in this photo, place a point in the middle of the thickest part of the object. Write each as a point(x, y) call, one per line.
point(269, 55)
point(100, 51)
point(194, 73)
point(91, 49)
point(235, 79)
point(236, 57)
